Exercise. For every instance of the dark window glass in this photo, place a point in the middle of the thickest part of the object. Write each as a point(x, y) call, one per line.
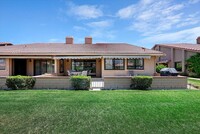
point(43, 66)
point(109, 64)
point(114, 64)
point(178, 66)
point(61, 66)
point(137, 64)
point(84, 65)
point(2, 64)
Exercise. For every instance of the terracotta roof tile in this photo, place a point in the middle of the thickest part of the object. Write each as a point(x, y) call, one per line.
point(76, 49)
point(186, 46)
point(5, 43)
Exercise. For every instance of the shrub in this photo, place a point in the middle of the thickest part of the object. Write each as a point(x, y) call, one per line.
point(159, 67)
point(193, 64)
point(80, 82)
point(20, 82)
point(141, 82)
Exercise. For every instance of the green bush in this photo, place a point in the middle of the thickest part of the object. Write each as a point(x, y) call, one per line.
point(159, 67)
point(193, 64)
point(20, 82)
point(80, 82)
point(141, 82)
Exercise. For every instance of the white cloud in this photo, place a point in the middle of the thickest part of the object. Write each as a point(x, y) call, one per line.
point(183, 36)
point(100, 24)
point(85, 11)
point(103, 34)
point(126, 12)
point(157, 16)
point(79, 28)
point(194, 1)
point(53, 40)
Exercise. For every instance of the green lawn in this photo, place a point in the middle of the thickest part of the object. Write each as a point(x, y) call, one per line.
point(61, 111)
point(194, 82)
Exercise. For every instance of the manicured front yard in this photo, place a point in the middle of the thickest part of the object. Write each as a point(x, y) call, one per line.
point(61, 111)
point(194, 82)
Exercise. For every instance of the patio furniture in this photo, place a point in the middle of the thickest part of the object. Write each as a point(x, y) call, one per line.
point(76, 73)
point(90, 73)
point(84, 73)
point(130, 73)
point(69, 73)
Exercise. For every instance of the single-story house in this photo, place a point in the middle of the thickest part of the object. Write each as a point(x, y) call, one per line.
point(177, 54)
point(99, 59)
point(111, 65)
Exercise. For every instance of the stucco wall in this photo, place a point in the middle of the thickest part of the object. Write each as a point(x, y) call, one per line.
point(52, 83)
point(8, 68)
point(177, 55)
point(67, 66)
point(98, 67)
point(110, 82)
point(159, 82)
point(149, 69)
point(188, 54)
point(30, 67)
point(167, 51)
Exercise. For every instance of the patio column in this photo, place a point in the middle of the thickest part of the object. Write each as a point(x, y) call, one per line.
point(183, 60)
point(55, 66)
point(172, 57)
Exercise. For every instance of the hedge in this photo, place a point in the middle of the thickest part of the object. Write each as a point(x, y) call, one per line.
point(141, 82)
point(20, 82)
point(80, 82)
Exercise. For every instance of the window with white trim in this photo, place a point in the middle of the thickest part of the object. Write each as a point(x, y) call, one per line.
point(114, 64)
point(137, 64)
point(2, 64)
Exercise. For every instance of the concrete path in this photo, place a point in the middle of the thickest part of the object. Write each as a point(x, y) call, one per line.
point(194, 78)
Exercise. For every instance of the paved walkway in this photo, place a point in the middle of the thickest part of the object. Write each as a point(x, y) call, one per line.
point(194, 78)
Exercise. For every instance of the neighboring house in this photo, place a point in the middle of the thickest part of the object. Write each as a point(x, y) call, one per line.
point(100, 59)
point(177, 54)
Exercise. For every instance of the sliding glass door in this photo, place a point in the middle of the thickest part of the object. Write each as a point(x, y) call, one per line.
point(43, 66)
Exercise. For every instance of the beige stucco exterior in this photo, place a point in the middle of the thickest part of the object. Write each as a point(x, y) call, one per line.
point(149, 69)
point(174, 55)
point(8, 68)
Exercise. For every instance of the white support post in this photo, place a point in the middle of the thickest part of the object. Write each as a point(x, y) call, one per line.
point(172, 57)
point(183, 61)
point(55, 66)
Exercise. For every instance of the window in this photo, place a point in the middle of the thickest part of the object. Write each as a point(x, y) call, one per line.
point(114, 64)
point(2, 64)
point(43, 66)
point(61, 66)
point(135, 64)
point(83, 65)
point(178, 66)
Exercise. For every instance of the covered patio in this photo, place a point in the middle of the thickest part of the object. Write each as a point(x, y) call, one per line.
point(55, 66)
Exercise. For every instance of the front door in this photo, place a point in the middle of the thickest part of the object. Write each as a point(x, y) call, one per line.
point(19, 66)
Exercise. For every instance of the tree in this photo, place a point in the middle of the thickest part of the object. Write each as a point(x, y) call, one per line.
point(193, 64)
point(159, 67)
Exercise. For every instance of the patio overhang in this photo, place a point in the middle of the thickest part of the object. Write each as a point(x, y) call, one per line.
point(78, 57)
point(128, 57)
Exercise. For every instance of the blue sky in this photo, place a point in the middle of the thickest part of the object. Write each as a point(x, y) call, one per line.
point(143, 22)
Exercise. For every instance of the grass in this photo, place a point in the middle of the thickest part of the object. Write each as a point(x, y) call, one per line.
point(195, 83)
point(61, 111)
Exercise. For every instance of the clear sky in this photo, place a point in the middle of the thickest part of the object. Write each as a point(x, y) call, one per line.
point(143, 22)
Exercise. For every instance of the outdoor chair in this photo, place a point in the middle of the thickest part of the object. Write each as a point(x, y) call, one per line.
point(130, 73)
point(68, 73)
point(84, 73)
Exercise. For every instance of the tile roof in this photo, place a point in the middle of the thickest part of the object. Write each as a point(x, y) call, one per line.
point(76, 49)
point(186, 46)
point(5, 43)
